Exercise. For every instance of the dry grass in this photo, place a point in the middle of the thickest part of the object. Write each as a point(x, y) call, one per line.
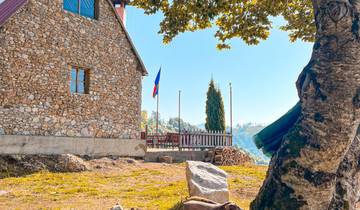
point(144, 185)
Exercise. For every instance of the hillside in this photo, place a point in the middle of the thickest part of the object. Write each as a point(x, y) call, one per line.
point(243, 138)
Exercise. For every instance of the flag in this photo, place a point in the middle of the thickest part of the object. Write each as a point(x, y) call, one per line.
point(156, 87)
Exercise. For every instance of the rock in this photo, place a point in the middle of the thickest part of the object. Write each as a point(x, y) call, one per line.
point(71, 163)
point(131, 161)
point(117, 207)
point(85, 132)
point(166, 159)
point(31, 97)
point(3, 192)
point(207, 181)
point(2, 132)
point(204, 204)
point(127, 160)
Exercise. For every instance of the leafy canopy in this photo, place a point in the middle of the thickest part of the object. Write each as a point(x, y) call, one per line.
point(245, 19)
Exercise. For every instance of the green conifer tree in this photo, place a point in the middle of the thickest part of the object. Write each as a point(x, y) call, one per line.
point(221, 111)
point(215, 114)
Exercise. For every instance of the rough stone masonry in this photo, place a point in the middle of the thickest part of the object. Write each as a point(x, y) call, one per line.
point(39, 46)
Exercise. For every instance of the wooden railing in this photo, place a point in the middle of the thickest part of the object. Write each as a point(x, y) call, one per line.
point(204, 140)
point(189, 140)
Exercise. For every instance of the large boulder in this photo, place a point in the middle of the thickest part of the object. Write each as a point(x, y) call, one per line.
point(207, 181)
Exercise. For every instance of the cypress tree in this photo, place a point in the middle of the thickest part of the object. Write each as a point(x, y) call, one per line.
point(215, 114)
point(221, 111)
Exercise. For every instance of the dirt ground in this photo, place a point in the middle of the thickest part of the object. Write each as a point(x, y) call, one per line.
point(133, 184)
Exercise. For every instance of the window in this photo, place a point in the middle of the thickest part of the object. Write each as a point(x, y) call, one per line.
point(79, 80)
point(85, 8)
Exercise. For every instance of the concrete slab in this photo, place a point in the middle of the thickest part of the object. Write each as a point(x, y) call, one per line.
point(49, 145)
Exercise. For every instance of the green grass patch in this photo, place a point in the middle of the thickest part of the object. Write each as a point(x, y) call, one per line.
point(160, 188)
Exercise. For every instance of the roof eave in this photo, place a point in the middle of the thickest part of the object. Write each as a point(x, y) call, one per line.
point(144, 71)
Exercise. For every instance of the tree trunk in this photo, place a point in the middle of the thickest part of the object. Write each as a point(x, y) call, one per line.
point(309, 170)
point(347, 187)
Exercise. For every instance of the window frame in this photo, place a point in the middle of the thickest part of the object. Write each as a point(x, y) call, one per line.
point(78, 12)
point(86, 81)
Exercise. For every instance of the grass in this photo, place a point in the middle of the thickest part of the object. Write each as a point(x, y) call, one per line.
point(146, 186)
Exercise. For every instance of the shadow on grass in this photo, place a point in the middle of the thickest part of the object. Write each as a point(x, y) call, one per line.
point(178, 206)
point(22, 165)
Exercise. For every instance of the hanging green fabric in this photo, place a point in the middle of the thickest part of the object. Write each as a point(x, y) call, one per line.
point(269, 139)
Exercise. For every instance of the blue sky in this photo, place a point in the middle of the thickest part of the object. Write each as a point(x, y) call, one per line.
point(263, 76)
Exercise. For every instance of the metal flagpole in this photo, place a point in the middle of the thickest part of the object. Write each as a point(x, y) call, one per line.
point(231, 117)
point(157, 113)
point(179, 111)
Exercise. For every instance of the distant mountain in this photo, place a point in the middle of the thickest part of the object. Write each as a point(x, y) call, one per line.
point(243, 134)
point(243, 138)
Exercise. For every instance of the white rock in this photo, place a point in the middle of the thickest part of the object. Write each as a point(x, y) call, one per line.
point(117, 207)
point(71, 163)
point(3, 192)
point(207, 181)
point(36, 119)
point(85, 132)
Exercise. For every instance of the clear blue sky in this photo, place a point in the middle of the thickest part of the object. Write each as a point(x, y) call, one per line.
point(263, 76)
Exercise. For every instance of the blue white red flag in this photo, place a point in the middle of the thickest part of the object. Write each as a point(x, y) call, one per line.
point(157, 81)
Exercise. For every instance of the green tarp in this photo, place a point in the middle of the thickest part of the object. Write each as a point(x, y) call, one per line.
point(269, 139)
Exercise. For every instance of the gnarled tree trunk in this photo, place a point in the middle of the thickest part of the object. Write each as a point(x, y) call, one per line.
point(347, 187)
point(309, 170)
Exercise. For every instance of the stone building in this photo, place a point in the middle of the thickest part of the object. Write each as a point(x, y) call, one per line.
point(68, 68)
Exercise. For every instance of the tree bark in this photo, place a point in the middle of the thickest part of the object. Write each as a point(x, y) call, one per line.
point(347, 187)
point(308, 171)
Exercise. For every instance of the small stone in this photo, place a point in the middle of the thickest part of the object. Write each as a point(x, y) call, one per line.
point(70, 133)
point(36, 119)
point(3, 192)
point(31, 97)
point(85, 132)
point(166, 159)
point(117, 207)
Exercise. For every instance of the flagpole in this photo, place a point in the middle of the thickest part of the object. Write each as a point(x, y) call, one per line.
point(231, 123)
point(179, 111)
point(157, 113)
point(156, 92)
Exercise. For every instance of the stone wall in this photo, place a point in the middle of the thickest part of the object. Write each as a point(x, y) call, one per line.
point(39, 45)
